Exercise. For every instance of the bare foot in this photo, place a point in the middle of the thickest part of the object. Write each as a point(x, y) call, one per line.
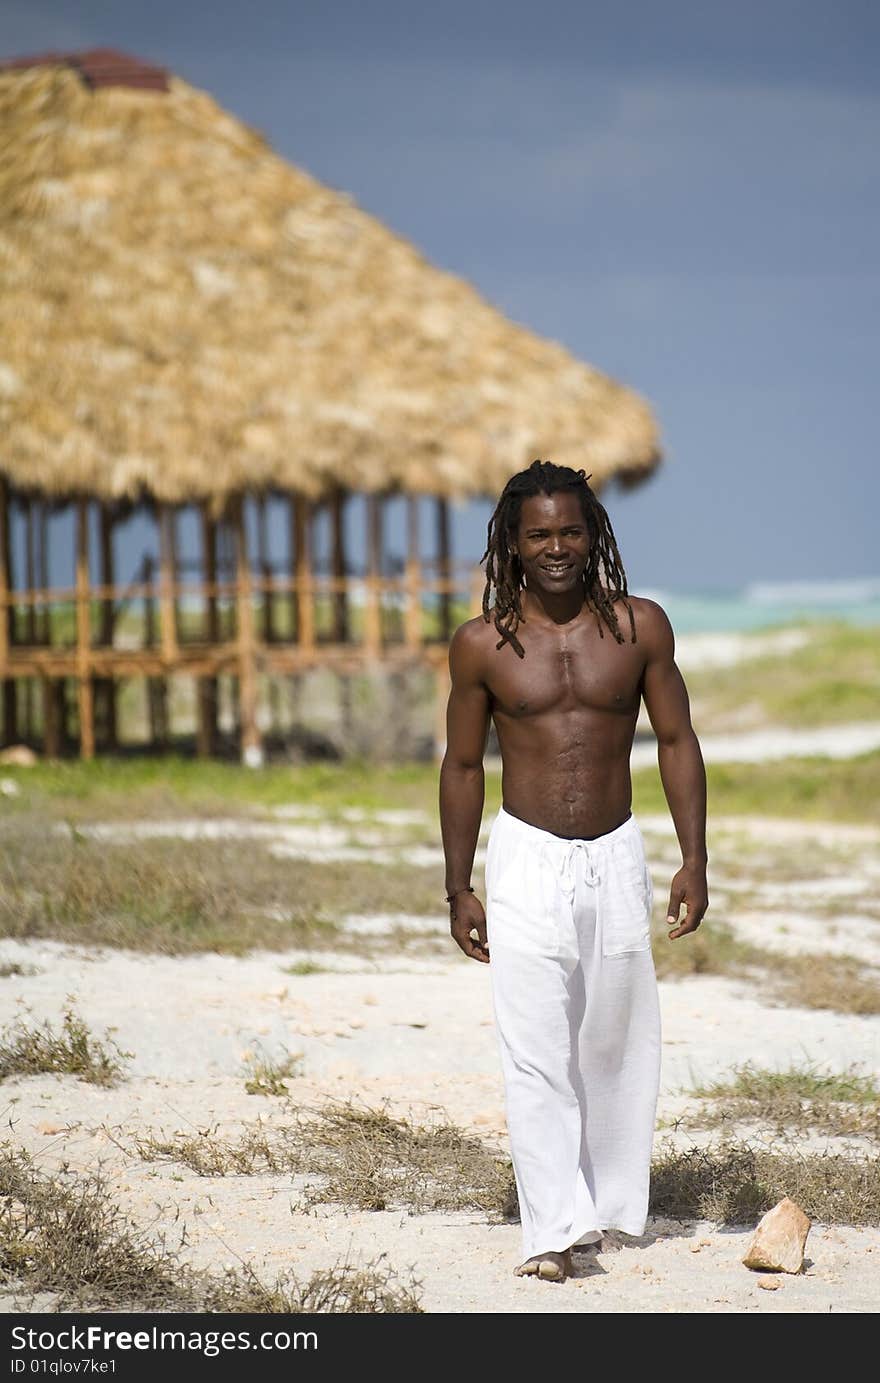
point(553, 1267)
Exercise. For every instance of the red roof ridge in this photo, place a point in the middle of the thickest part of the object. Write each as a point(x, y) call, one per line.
point(99, 67)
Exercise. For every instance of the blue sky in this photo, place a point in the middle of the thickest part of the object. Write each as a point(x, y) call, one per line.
point(685, 194)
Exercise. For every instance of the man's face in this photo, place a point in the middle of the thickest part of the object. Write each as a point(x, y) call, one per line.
point(553, 541)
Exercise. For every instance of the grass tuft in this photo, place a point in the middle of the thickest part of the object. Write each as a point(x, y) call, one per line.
point(267, 1077)
point(66, 1237)
point(355, 1156)
point(32, 1051)
point(840, 1103)
point(737, 1183)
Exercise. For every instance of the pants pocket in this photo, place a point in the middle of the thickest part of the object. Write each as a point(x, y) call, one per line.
point(628, 900)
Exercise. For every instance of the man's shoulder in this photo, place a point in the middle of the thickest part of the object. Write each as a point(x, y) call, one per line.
point(649, 617)
point(470, 642)
point(473, 632)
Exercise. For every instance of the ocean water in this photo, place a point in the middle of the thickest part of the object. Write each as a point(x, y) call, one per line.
point(763, 604)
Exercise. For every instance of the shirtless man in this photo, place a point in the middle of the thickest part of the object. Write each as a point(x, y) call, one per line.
point(568, 890)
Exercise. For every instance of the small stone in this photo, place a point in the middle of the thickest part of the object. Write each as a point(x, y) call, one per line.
point(778, 1242)
point(695, 1248)
point(770, 1284)
point(50, 1128)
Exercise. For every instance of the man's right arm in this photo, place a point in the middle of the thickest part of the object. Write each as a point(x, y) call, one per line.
point(462, 783)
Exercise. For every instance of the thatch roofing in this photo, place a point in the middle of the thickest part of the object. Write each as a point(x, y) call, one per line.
point(185, 314)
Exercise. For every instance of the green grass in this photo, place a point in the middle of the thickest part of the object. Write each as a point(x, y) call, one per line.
point(833, 678)
point(815, 788)
point(172, 786)
point(837, 1103)
point(178, 897)
point(811, 980)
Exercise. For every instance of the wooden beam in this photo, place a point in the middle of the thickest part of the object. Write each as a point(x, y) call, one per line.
point(442, 688)
point(167, 583)
point(30, 574)
point(251, 744)
point(9, 698)
point(5, 574)
point(478, 585)
point(265, 568)
point(301, 526)
point(51, 718)
point(43, 568)
point(207, 687)
point(339, 565)
point(105, 688)
point(413, 575)
point(83, 634)
point(30, 612)
point(444, 567)
point(373, 607)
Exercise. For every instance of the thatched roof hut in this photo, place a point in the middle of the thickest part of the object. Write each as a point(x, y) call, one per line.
point(186, 315)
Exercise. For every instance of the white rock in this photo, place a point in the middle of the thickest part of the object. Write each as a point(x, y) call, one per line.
point(779, 1239)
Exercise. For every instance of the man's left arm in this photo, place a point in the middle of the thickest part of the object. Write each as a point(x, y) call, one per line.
point(682, 770)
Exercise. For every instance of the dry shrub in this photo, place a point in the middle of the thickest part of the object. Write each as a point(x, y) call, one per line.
point(736, 1183)
point(31, 1051)
point(66, 1237)
point(355, 1156)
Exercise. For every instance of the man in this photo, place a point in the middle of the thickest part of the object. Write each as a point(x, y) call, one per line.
point(568, 888)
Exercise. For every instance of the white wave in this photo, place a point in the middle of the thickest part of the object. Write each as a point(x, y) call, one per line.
point(854, 592)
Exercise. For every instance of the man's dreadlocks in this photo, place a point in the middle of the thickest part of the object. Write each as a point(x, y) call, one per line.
point(503, 567)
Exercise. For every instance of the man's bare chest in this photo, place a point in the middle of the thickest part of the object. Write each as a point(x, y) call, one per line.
point(582, 671)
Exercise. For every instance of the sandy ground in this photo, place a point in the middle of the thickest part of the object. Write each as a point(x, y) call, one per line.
point(416, 1033)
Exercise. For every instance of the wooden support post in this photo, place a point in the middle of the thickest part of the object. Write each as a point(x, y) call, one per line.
point(442, 687)
point(167, 617)
point(207, 688)
point(478, 585)
point(83, 634)
point(339, 566)
point(413, 575)
point(265, 569)
point(251, 745)
point(6, 624)
point(43, 568)
point(30, 571)
point(30, 581)
point(51, 718)
point(301, 526)
point(373, 607)
point(167, 584)
point(105, 687)
point(444, 568)
point(157, 699)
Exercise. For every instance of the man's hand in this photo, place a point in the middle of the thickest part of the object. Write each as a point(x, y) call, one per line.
point(467, 915)
point(689, 887)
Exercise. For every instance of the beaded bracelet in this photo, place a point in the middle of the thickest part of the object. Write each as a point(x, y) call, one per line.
point(468, 888)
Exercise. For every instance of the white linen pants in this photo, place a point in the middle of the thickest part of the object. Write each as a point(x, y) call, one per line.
point(577, 1017)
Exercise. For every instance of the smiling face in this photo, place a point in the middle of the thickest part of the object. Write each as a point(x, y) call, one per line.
point(553, 541)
